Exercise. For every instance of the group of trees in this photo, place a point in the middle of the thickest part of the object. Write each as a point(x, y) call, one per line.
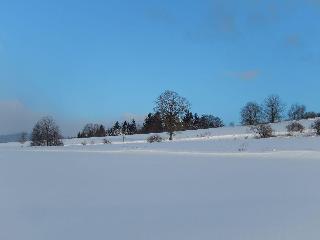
point(98, 130)
point(272, 110)
point(126, 128)
point(172, 113)
point(92, 130)
point(189, 121)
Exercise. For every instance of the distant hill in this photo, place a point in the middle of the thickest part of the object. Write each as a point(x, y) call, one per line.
point(10, 138)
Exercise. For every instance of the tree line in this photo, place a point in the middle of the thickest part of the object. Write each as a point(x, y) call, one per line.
point(189, 121)
point(172, 113)
point(272, 110)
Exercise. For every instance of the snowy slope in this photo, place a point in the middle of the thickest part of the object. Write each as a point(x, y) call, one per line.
point(207, 184)
point(226, 139)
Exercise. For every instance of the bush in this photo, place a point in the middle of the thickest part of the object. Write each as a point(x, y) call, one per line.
point(84, 143)
point(154, 138)
point(106, 141)
point(295, 127)
point(316, 126)
point(263, 130)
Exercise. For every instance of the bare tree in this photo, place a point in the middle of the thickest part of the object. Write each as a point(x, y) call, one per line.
point(46, 133)
point(171, 107)
point(273, 109)
point(251, 114)
point(296, 112)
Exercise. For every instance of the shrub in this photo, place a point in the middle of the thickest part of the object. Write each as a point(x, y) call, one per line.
point(316, 126)
point(154, 138)
point(263, 130)
point(84, 143)
point(106, 141)
point(295, 127)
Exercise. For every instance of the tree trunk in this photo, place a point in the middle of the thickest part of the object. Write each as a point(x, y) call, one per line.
point(171, 136)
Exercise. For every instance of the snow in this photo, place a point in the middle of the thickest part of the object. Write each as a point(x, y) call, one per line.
point(207, 184)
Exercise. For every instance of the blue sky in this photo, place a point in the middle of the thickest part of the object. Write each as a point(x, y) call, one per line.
point(100, 60)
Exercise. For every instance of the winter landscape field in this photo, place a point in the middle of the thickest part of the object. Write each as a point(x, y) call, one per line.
point(159, 120)
point(206, 184)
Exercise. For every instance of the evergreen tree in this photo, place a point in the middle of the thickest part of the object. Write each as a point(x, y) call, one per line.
point(196, 121)
point(132, 127)
point(187, 121)
point(92, 130)
point(153, 123)
point(125, 128)
point(101, 132)
point(116, 129)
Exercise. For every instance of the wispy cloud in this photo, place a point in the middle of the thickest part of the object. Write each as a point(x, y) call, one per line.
point(220, 22)
point(248, 75)
point(311, 58)
point(293, 40)
point(223, 18)
point(160, 14)
point(230, 20)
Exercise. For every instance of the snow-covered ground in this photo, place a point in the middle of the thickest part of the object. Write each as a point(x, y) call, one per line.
point(207, 184)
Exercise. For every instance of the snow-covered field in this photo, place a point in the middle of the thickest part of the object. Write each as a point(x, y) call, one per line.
point(207, 184)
